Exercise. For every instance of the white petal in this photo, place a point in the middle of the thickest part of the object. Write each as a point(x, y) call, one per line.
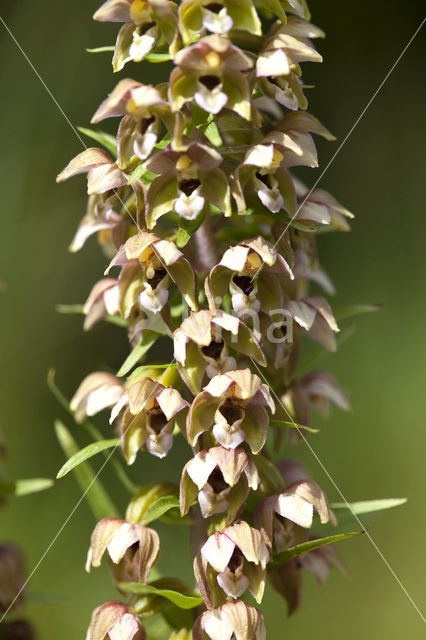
point(153, 299)
point(103, 397)
point(260, 156)
point(219, 385)
point(272, 63)
point(141, 46)
point(215, 627)
point(227, 438)
point(199, 469)
point(227, 322)
point(125, 628)
point(144, 144)
point(180, 340)
point(217, 22)
point(189, 206)
point(210, 503)
point(124, 400)
point(160, 445)
point(211, 101)
point(111, 300)
point(295, 509)
point(218, 551)
point(233, 585)
point(271, 199)
point(124, 537)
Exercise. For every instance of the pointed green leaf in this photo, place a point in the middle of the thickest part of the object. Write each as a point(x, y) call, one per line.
point(145, 498)
point(160, 507)
point(311, 545)
point(98, 499)
point(105, 139)
point(136, 354)
point(86, 453)
point(25, 487)
point(101, 49)
point(94, 433)
point(356, 310)
point(368, 506)
point(179, 599)
point(292, 425)
point(211, 131)
point(187, 228)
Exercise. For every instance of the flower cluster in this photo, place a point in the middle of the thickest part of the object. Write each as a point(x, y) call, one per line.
point(209, 236)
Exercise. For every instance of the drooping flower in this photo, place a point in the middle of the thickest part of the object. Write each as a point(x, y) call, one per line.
point(315, 391)
point(114, 621)
point(149, 417)
point(103, 172)
point(200, 345)
point(101, 303)
point(232, 620)
point(283, 51)
point(132, 549)
point(144, 109)
point(150, 265)
point(98, 391)
point(188, 180)
point(238, 554)
point(102, 217)
point(264, 170)
point(322, 208)
point(276, 516)
point(217, 17)
point(210, 71)
point(314, 315)
point(221, 478)
point(232, 405)
point(145, 22)
point(248, 272)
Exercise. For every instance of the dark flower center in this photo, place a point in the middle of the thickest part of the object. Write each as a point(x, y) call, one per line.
point(231, 412)
point(157, 277)
point(244, 283)
point(157, 421)
point(146, 27)
point(145, 123)
point(214, 7)
point(214, 349)
point(264, 178)
point(217, 481)
point(210, 82)
point(236, 560)
point(189, 186)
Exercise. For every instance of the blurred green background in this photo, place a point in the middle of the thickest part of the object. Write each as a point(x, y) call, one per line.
point(375, 451)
